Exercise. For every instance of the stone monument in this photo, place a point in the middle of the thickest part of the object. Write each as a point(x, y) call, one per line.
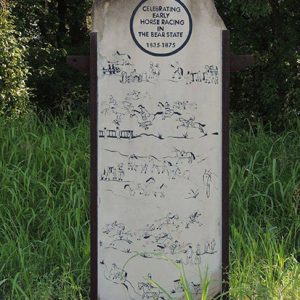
point(160, 148)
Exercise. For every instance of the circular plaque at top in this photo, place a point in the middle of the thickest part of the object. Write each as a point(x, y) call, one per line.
point(161, 27)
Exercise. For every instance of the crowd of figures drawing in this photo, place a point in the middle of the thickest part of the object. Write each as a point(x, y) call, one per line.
point(144, 289)
point(119, 110)
point(173, 171)
point(177, 115)
point(157, 174)
point(161, 235)
point(120, 65)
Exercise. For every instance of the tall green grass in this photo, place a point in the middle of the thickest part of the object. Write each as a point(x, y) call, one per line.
point(44, 217)
point(265, 220)
point(44, 211)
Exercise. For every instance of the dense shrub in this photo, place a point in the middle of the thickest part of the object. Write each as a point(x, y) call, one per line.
point(269, 29)
point(57, 88)
point(55, 29)
point(14, 95)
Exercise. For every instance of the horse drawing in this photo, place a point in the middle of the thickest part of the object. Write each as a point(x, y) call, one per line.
point(167, 111)
point(144, 117)
point(190, 123)
point(184, 155)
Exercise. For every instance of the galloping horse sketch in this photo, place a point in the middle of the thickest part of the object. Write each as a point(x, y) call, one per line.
point(144, 117)
point(170, 219)
point(149, 188)
point(190, 123)
point(194, 218)
point(149, 291)
point(119, 110)
point(167, 111)
point(119, 234)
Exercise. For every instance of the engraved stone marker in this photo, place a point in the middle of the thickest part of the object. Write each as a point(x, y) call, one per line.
point(160, 147)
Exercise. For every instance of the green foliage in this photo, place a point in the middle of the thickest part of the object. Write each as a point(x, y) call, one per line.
point(269, 29)
point(55, 29)
point(58, 89)
point(265, 223)
point(14, 95)
point(44, 211)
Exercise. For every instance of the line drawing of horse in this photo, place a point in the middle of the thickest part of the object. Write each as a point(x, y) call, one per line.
point(149, 291)
point(185, 155)
point(119, 276)
point(193, 218)
point(167, 111)
point(170, 219)
point(178, 71)
point(146, 233)
point(132, 162)
point(118, 110)
point(147, 189)
point(154, 164)
point(144, 117)
point(178, 288)
point(171, 169)
point(190, 123)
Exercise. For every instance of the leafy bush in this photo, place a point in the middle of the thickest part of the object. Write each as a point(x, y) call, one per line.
point(269, 29)
point(57, 88)
point(14, 95)
point(54, 30)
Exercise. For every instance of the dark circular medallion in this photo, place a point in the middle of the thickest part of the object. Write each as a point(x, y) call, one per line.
point(161, 28)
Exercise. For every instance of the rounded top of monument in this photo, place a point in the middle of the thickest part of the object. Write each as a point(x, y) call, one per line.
point(204, 12)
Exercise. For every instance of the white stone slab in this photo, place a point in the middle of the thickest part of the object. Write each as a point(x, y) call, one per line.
point(160, 146)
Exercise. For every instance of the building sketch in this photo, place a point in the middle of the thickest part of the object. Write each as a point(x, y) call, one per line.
point(121, 66)
point(208, 75)
point(116, 134)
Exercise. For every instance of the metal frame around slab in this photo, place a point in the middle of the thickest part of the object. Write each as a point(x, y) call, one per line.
point(94, 162)
point(225, 159)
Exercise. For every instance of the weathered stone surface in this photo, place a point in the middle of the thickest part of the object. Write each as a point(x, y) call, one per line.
point(160, 145)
